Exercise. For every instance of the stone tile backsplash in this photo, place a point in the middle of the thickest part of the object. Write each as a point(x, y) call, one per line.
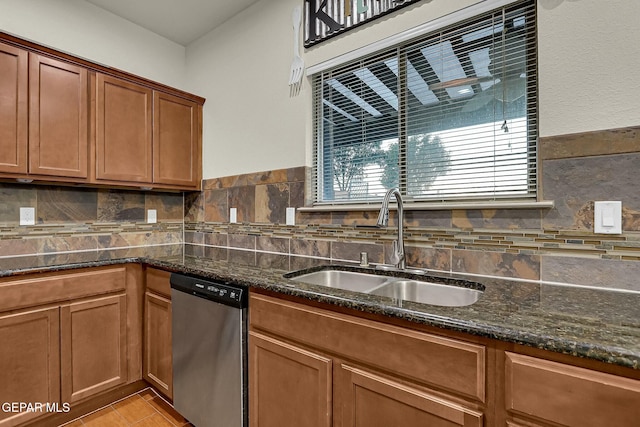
point(551, 245)
point(70, 219)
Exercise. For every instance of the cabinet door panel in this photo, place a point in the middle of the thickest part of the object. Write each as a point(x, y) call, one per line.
point(289, 386)
point(93, 346)
point(176, 141)
point(158, 369)
point(29, 361)
point(370, 400)
point(123, 131)
point(569, 395)
point(58, 118)
point(13, 109)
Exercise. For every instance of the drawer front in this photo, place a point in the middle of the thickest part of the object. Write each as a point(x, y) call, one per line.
point(158, 282)
point(454, 365)
point(43, 289)
point(569, 395)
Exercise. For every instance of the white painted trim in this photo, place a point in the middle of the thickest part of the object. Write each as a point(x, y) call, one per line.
point(427, 27)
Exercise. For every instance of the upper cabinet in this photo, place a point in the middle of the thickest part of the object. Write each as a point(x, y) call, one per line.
point(58, 118)
point(64, 119)
point(13, 109)
point(176, 141)
point(123, 131)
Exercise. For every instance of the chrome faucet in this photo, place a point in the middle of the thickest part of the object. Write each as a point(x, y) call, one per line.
point(397, 257)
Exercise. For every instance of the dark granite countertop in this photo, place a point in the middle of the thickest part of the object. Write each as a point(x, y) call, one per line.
point(596, 324)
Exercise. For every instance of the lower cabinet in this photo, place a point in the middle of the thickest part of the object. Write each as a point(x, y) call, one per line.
point(93, 346)
point(29, 361)
point(542, 391)
point(367, 398)
point(314, 367)
point(311, 366)
point(65, 338)
point(290, 386)
point(157, 358)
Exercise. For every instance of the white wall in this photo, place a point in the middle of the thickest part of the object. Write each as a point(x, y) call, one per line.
point(82, 29)
point(589, 57)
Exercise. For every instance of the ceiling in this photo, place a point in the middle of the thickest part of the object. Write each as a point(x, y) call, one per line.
point(180, 21)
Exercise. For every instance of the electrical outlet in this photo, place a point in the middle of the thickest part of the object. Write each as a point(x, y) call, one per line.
point(27, 216)
point(233, 215)
point(152, 216)
point(290, 217)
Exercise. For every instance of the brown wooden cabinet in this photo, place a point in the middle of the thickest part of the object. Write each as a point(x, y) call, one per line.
point(290, 386)
point(64, 119)
point(93, 346)
point(363, 370)
point(29, 361)
point(540, 391)
point(52, 139)
point(177, 144)
point(58, 118)
point(146, 137)
point(123, 131)
point(331, 368)
point(369, 399)
point(13, 109)
point(68, 336)
point(158, 361)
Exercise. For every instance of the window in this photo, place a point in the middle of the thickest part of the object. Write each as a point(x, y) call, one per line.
point(449, 115)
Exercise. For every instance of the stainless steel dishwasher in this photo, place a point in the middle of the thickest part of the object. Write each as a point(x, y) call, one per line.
point(209, 322)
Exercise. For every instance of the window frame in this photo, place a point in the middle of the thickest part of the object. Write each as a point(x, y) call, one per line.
point(398, 43)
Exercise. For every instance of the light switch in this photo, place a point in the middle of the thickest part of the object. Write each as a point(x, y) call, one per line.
point(607, 217)
point(233, 215)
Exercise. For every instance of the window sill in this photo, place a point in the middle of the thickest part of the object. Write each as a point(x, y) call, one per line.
point(434, 206)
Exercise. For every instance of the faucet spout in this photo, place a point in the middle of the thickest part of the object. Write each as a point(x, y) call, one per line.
point(398, 256)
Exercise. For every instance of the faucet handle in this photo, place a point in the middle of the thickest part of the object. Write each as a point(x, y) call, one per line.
point(396, 255)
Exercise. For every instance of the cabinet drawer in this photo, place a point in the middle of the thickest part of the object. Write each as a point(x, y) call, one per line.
point(158, 281)
point(454, 365)
point(43, 289)
point(569, 395)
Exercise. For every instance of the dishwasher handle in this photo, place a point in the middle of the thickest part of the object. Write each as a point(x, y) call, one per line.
point(223, 293)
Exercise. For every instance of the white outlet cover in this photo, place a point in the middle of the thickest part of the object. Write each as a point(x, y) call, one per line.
point(233, 215)
point(152, 216)
point(27, 216)
point(291, 216)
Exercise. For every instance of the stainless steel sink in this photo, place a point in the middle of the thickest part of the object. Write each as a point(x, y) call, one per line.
point(400, 288)
point(347, 280)
point(428, 293)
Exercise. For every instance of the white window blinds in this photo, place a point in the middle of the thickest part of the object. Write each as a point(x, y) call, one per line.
point(450, 115)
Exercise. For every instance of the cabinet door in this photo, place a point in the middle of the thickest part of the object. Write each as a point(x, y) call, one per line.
point(58, 118)
point(365, 399)
point(93, 346)
point(176, 141)
point(158, 369)
point(13, 109)
point(123, 131)
point(29, 361)
point(569, 395)
point(288, 386)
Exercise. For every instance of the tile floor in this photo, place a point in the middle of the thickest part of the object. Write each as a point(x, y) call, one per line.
point(143, 409)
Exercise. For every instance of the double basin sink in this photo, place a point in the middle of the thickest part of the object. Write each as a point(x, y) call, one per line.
point(427, 290)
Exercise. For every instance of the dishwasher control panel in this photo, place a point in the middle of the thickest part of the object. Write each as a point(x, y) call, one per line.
point(224, 293)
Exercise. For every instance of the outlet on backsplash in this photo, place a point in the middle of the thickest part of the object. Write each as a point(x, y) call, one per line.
point(27, 216)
